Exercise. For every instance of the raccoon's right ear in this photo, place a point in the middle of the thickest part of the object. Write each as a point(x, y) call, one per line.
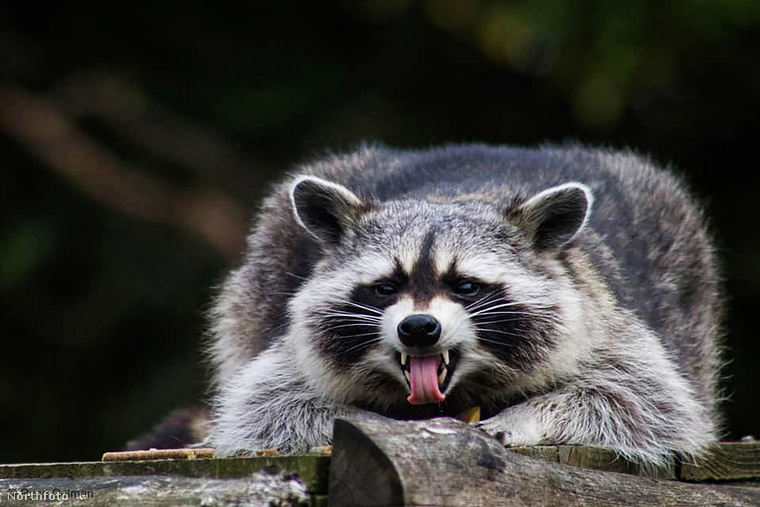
point(323, 208)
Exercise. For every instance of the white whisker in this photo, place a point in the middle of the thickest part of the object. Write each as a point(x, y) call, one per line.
point(499, 321)
point(356, 324)
point(488, 330)
point(495, 342)
point(505, 305)
point(354, 316)
point(296, 276)
point(363, 307)
point(480, 302)
point(362, 344)
point(527, 314)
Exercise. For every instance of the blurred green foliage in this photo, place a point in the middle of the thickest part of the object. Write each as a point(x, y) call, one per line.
point(101, 309)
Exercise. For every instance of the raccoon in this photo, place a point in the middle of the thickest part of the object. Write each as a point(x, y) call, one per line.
point(570, 293)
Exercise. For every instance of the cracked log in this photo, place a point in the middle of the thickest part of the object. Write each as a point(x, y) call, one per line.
point(378, 461)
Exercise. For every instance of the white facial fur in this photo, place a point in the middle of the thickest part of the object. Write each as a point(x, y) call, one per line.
point(455, 244)
point(458, 331)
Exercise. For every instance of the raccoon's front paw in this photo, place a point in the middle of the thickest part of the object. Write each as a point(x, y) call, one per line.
point(496, 430)
point(509, 434)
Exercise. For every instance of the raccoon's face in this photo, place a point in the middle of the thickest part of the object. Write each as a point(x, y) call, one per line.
point(423, 302)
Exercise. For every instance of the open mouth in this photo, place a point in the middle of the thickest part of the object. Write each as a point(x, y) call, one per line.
point(428, 376)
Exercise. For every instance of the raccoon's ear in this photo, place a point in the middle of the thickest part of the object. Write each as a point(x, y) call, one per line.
point(554, 216)
point(323, 208)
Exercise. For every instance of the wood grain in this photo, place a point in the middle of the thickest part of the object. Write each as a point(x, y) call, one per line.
point(446, 462)
point(726, 462)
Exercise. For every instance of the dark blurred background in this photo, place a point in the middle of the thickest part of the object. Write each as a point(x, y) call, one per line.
point(137, 137)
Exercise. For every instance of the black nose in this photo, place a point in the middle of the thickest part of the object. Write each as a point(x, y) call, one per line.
point(419, 331)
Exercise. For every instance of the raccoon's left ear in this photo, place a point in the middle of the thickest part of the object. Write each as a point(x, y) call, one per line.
point(554, 216)
point(323, 208)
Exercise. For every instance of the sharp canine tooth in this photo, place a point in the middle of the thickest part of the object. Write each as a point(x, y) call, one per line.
point(407, 376)
point(403, 358)
point(442, 376)
point(446, 357)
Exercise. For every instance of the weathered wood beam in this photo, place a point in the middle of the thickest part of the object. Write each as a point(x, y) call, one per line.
point(378, 461)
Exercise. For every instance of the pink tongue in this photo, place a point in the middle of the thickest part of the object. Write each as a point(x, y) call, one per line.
point(423, 373)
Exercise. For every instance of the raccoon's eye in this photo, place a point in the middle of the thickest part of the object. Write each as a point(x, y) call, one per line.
point(466, 288)
point(385, 289)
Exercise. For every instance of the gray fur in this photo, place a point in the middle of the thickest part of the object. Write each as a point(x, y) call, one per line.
point(602, 328)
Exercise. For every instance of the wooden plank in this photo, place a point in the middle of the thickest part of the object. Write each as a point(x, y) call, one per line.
point(544, 452)
point(312, 470)
point(154, 454)
point(736, 461)
point(728, 462)
point(594, 458)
